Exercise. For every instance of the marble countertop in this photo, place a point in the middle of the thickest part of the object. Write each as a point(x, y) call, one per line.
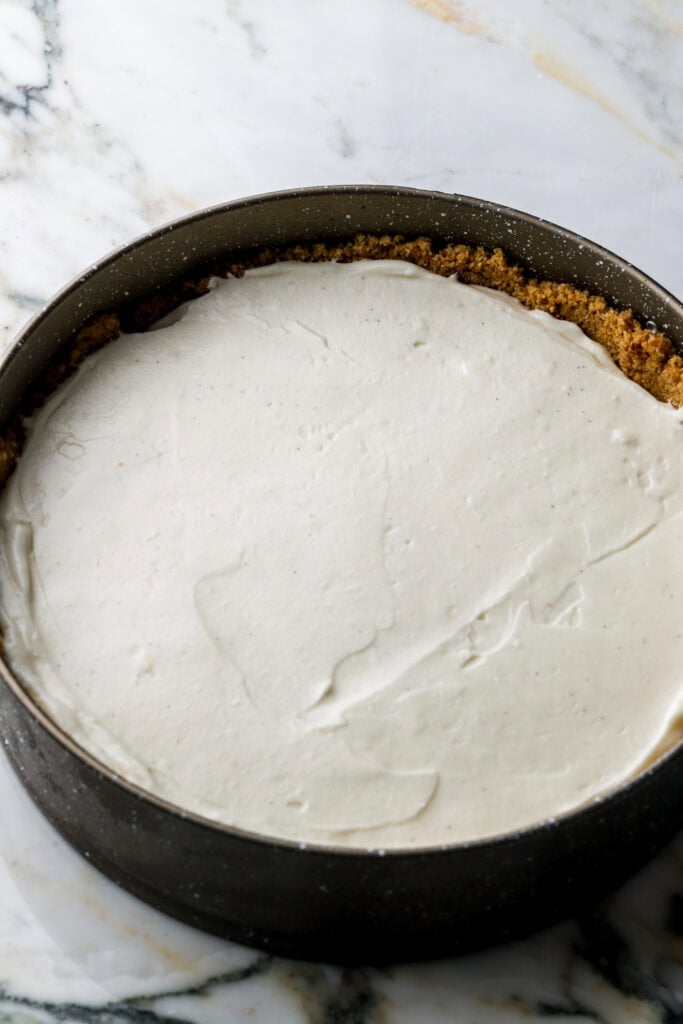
point(117, 116)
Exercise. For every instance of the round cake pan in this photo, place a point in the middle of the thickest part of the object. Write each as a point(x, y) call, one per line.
point(317, 902)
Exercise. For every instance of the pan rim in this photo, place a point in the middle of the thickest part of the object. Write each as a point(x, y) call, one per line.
point(601, 804)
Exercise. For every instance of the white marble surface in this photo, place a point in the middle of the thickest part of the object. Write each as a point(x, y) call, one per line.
point(119, 114)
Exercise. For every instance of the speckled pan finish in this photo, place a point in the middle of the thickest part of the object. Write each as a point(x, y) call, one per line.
point(318, 902)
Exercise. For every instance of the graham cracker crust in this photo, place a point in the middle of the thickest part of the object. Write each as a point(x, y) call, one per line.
point(646, 357)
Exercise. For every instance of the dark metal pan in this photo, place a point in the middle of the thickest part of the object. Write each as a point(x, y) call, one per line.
point(324, 903)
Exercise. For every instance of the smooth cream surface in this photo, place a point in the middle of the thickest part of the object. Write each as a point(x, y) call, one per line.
point(353, 554)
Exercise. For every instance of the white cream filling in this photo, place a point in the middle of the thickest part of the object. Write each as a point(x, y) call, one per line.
point(353, 554)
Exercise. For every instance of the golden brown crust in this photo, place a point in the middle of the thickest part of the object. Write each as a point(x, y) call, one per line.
point(649, 359)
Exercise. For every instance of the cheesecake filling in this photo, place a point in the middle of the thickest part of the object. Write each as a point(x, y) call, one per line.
point(353, 554)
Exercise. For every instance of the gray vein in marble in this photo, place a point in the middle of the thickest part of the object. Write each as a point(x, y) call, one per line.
point(335, 996)
point(347, 145)
point(608, 953)
point(256, 47)
point(31, 303)
point(42, 120)
point(616, 38)
point(259, 965)
point(326, 996)
point(26, 95)
point(662, 109)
